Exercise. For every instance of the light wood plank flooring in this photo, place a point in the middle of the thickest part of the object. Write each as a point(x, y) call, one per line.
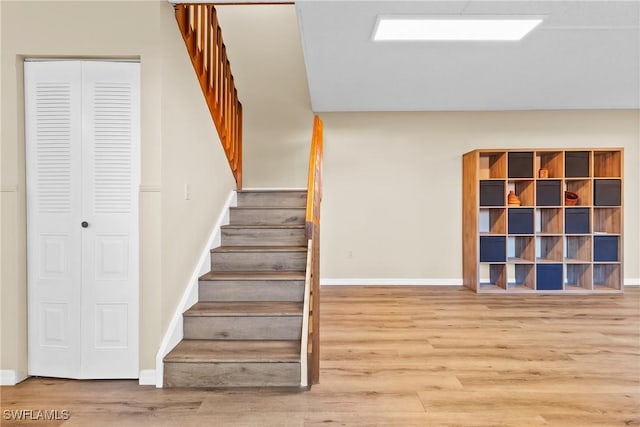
point(411, 356)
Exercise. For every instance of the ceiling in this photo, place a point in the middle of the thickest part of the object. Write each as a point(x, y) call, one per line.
point(585, 55)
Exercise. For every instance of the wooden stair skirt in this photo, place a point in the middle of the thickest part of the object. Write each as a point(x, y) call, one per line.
point(245, 330)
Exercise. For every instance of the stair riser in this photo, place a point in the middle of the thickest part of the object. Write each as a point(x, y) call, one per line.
point(251, 290)
point(258, 261)
point(263, 237)
point(266, 216)
point(243, 328)
point(283, 199)
point(231, 374)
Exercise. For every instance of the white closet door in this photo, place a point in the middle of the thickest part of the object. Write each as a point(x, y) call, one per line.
point(83, 166)
point(110, 277)
point(54, 176)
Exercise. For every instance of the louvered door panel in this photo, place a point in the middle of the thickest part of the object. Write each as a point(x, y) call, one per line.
point(54, 168)
point(82, 146)
point(110, 205)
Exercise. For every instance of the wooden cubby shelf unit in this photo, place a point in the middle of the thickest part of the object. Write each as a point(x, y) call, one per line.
point(548, 241)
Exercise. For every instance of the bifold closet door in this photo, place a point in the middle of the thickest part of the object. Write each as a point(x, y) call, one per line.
point(82, 146)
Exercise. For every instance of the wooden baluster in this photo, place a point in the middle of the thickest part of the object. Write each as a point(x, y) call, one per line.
point(211, 44)
point(205, 41)
point(214, 51)
point(239, 167)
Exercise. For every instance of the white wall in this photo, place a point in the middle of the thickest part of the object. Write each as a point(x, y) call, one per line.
point(179, 146)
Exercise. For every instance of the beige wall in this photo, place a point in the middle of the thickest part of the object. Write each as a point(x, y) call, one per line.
point(392, 204)
point(266, 59)
point(179, 146)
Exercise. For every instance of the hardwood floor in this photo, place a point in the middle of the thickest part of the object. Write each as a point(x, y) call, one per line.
point(410, 356)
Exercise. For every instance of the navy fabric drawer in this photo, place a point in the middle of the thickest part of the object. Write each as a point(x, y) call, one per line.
point(491, 193)
point(605, 248)
point(576, 164)
point(549, 277)
point(607, 192)
point(576, 221)
point(548, 193)
point(520, 165)
point(520, 221)
point(492, 249)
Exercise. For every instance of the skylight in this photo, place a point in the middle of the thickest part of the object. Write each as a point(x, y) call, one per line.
point(452, 29)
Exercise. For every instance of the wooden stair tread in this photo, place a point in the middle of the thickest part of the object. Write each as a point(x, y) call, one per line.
point(211, 351)
point(227, 249)
point(266, 191)
point(259, 227)
point(300, 208)
point(254, 275)
point(245, 308)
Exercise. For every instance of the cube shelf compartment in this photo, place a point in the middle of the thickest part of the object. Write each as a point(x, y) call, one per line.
point(520, 249)
point(577, 249)
point(578, 277)
point(492, 221)
point(544, 244)
point(607, 164)
point(493, 277)
point(520, 277)
point(524, 189)
point(493, 165)
point(549, 221)
point(548, 248)
point(552, 161)
point(582, 187)
point(607, 277)
point(607, 220)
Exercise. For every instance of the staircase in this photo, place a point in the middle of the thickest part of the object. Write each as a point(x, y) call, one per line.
point(245, 330)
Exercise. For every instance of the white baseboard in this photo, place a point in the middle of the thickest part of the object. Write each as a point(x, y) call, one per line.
point(173, 334)
point(12, 377)
point(390, 282)
point(147, 377)
point(415, 282)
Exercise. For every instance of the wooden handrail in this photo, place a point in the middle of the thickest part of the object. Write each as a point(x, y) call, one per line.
point(202, 35)
point(312, 225)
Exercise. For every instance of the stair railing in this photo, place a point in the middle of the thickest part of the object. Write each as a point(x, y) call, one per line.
point(312, 226)
point(201, 32)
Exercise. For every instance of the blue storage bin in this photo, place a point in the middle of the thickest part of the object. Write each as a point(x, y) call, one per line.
point(520, 221)
point(492, 249)
point(576, 164)
point(607, 192)
point(548, 193)
point(605, 248)
point(491, 193)
point(520, 165)
point(549, 277)
point(576, 221)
